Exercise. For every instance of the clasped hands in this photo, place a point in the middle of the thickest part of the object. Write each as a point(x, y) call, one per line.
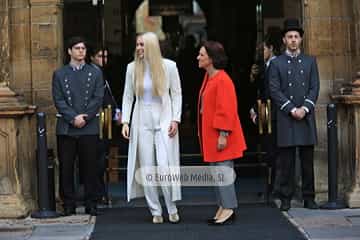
point(80, 120)
point(298, 113)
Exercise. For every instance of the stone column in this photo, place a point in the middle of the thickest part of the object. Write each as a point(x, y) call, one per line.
point(327, 32)
point(16, 152)
point(349, 116)
point(30, 49)
point(46, 46)
point(350, 141)
point(353, 196)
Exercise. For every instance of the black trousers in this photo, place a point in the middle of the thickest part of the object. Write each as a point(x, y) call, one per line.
point(285, 178)
point(269, 145)
point(85, 148)
point(103, 152)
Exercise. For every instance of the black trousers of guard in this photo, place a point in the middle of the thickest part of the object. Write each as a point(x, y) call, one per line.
point(103, 152)
point(269, 145)
point(85, 148)
point(285, 182)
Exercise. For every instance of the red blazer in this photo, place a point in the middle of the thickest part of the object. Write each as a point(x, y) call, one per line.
point(218, 100)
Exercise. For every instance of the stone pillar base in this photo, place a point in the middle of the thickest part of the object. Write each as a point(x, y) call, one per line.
point(12, 104)
point(15, 206)
point(352, 138)
point(353, 197)
point(17, 156)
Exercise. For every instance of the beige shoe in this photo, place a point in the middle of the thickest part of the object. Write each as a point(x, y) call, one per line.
point(174, 218)
point(218, 212)
point(158, 219)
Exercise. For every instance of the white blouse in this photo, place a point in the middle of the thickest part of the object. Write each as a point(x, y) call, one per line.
point(148, 97)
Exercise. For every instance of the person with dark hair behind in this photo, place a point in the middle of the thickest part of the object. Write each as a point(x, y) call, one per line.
point(77, 90)
point(220, 133)
point(271, 49)
point(99, 60)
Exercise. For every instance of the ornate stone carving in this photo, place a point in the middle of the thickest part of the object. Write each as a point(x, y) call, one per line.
point(352, 88)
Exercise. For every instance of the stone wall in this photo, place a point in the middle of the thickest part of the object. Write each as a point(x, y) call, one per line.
point(355, 40)
point(19, 20)
point(327, 24)
point(46, 48)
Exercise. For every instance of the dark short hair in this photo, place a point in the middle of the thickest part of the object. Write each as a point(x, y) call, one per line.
point(275, 42)
point(216, 52)
point(93, 50)
point(75, 40)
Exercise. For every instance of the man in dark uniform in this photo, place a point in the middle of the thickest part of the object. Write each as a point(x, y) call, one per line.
point(294, 87)
point(78, 91)
point(99, 59)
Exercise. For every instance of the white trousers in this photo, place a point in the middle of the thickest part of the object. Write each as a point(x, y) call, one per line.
point(152, 152)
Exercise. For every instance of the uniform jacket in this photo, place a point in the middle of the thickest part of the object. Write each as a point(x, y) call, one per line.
point(77, 92)
point(218, 106)
point(171, 111)
point(294, 82)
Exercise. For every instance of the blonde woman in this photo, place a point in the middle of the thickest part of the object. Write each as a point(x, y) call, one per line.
point(153, 135)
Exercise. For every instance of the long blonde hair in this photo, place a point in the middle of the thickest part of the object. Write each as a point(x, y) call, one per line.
point(152, 55)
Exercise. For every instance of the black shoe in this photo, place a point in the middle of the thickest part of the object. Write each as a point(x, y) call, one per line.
point(68, 211)
point(285, 205)
point(310, 204)
point(91, 211)
point(211, 221)
point(228, 221)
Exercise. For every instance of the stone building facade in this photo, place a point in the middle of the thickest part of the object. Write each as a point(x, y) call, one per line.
point(31, 47)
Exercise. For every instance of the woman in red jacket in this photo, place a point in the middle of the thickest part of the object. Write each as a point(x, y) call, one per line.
point(220, 133)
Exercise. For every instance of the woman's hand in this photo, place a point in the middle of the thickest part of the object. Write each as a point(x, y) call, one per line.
point(222, 143)
point(173, 129)
point(125, 131)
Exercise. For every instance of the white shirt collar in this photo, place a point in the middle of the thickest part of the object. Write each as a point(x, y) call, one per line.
point(76, 67)
point(268, 61)
point(293, 54)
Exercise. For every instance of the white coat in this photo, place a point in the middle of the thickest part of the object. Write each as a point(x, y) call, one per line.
point(171, 111)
